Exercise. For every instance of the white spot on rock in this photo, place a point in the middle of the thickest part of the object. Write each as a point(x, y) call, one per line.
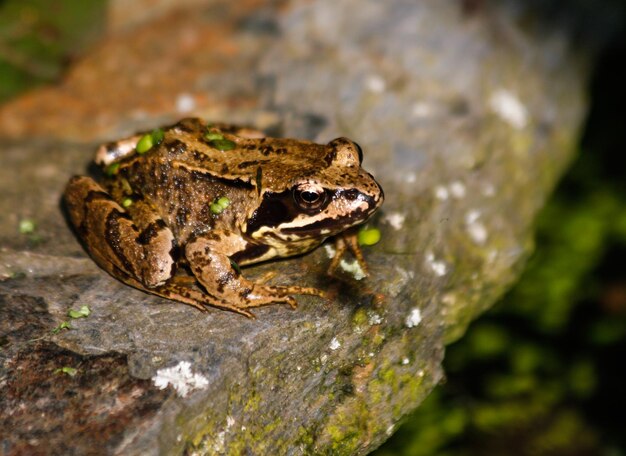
point(334, 344)
point(405, 361)
point(457, 189)
point(354, 268)
point(395, 219)
point(478, 232)
point(475, 228)
point(472, 216)
point(421, 109)
point(489, 189)
point(509, 108)
point(375, 84)
point(448, 299)
point(374, 318)
point(185, 103)
point(414, 318)
point(441, 193)
point(218, 445)
point(181, 378)
point(438, 267)
point(330, 251)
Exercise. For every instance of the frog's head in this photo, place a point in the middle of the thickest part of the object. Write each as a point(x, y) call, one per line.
point(320, 194)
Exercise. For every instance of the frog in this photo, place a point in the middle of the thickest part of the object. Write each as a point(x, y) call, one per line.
point(177, 211)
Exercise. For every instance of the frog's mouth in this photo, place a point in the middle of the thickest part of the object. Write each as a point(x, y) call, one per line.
point(328, 226)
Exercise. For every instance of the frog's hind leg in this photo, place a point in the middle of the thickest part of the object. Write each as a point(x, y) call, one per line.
point(141, 256)
point(209, 261)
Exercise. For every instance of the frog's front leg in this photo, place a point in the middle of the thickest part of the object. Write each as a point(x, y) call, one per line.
point(209, 259)
point(140, 254)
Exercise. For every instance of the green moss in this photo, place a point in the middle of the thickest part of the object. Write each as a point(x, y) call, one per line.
point(305, 438)
point(412, 387)
point(360, 318)
point(42, 37)
point(388, 377)
point(347, 427)
point(376, 391)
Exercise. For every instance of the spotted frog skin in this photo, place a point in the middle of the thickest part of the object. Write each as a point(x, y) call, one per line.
point(208, 198)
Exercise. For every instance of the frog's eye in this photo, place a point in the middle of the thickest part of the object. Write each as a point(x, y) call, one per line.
point(309, 196)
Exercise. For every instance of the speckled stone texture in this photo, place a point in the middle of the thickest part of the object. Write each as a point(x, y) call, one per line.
point(467, 119)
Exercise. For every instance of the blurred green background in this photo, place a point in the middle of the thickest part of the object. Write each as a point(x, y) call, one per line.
point(542, 373)
point(39, 38)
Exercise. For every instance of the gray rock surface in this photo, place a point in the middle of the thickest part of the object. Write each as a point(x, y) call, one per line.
point(466, 119)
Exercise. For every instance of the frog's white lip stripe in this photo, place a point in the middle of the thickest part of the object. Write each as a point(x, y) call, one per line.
point(316, 227)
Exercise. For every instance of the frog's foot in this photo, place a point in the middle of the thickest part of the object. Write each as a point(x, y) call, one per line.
point(262, 295)
point(179, 289)
point(344, 242)
point(210, 264)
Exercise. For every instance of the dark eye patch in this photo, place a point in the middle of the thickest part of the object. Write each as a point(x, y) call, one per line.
point(276, 208)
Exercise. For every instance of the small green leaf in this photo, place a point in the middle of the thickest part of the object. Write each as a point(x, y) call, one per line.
point(127, 202)
point(219, 204)
point(63, 325)
point(216, 208)
point(27, 226)
point(81, 313)
point(223, 144)
point(223, 201)
point(144, 144)
point(213, 136)
point(112, 169)
point(71, 371)
point(149, 140)
point(368, 236)
point(157, 136)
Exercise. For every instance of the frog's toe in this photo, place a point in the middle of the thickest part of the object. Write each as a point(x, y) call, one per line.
point(291, 302)
point(260, 296)
point(282, 294)
point(289, 290)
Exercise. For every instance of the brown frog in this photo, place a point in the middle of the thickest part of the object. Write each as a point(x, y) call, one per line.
point(212, 197)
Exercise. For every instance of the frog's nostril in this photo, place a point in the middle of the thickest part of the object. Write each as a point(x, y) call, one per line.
point(351, 194)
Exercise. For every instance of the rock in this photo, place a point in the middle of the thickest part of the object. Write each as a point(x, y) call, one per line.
point(467, 120)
